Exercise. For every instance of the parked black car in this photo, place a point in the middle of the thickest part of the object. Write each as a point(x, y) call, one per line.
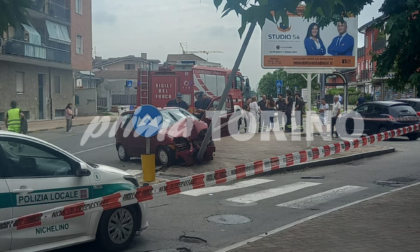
point(413, 102)
point(381, 116)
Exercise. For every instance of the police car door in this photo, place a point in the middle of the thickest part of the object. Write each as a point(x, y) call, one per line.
point(42, 178)
point(5, 207)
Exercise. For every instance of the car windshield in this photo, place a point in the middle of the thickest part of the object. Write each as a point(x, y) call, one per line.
point(172, 116)
point(402, 110)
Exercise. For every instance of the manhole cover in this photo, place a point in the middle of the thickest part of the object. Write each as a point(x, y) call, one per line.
point(229, 219)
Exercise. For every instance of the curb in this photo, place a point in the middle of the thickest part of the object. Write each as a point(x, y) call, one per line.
point(62, 127)
point(332, 161)
point(314, 164)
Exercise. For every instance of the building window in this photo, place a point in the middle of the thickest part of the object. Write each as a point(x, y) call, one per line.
point(371, 40)
point(57, 84)
point(130, 66)
point(60, 112)
point(20, 76)
point(367, 41)
point(79, 44)
point(358, 68)
point(79, 7)
point(367, 65)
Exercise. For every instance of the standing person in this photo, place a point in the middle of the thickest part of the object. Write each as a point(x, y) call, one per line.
point(299, 109)
point(323, 116)
point(281, 108)
point(289, 106)
point(255, 110)
point(200, 105)
point(178, 102)
point(360, 100)
point(246, 113)
point(69, 117)
point(271, 106)
point(335, 114)
point(262, 104)
point(14, 118)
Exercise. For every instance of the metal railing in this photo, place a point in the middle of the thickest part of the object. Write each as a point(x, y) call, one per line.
point(21, 48)
point(361, 52)
point(366, 75)
point(53, 8)
point(379, 45)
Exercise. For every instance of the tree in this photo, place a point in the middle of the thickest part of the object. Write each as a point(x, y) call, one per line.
point(267, 84)
point(12, 12)
point(325, 11)
point(402, 54)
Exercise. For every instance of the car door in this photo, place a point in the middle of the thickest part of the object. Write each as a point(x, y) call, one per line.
point(373, 117)
point(364, 111)
point(134, 144)
point(40, 178)
point(5, 207)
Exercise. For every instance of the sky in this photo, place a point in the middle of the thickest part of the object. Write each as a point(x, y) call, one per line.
point(157, 27)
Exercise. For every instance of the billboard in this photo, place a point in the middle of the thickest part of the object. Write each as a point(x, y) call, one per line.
point(303, 44)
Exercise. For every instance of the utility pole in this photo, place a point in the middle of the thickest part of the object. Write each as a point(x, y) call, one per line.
point(228, 86)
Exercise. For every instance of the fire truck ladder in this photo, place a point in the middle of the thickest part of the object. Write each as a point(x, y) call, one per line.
point(144, 82)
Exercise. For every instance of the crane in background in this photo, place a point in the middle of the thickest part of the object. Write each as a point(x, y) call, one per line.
point(185, 50)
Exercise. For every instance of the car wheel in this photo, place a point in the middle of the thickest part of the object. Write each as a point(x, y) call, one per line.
point(165, 156)
point(122, 153)
point(413, 137)
point(117, 229)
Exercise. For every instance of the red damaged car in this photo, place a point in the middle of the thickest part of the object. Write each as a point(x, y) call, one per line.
point(179, 139)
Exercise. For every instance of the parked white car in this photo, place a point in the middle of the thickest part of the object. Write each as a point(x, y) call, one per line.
point(37, 176)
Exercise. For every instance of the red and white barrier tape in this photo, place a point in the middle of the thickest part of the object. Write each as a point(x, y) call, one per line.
point(169, 188)
point(399, 119)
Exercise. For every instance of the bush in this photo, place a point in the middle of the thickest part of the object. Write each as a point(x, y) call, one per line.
point(353, 99)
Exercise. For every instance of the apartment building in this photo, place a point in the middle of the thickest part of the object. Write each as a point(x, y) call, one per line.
point(116, 73)
point(363, 76)
point(38, 60)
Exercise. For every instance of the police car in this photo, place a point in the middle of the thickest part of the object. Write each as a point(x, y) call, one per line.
point(37, 176)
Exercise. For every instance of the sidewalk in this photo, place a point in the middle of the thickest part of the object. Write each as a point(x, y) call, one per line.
point(44, 125)
point(386, 223)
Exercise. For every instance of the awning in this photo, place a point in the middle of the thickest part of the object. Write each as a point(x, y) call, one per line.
point(34, 36)
point(58, 33)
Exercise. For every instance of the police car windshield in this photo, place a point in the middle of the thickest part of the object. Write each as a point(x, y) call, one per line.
point(172, 116)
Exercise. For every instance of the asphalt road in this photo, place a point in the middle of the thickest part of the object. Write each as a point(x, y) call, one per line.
point(267, 202)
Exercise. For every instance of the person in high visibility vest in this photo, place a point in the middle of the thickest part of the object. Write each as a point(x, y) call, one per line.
point(13, 118)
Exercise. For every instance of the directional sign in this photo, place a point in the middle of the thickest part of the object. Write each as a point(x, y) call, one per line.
point(147, 121)
point(279, 83)
point(129, 83)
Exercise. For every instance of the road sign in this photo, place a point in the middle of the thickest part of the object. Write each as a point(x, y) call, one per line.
point(278, 91)
point(305, 94)
point(129, 83)
point(279, 83)
point(147, 121)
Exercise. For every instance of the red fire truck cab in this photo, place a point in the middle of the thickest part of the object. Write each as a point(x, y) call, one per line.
point(157, 88)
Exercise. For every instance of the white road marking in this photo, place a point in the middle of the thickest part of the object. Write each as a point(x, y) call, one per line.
point(96, 148)
point(277, 230)
point(319, 198)
point(272, 192)
point(216, 189)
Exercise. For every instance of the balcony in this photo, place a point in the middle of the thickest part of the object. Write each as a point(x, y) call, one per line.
point(379, 45)
point(53, 8)
point(361, 52)
point(23, 49)
point(366, 75)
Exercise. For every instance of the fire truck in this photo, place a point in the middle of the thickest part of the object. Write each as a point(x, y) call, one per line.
point(157, 88)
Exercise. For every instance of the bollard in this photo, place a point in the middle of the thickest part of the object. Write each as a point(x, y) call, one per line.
point(148, 162)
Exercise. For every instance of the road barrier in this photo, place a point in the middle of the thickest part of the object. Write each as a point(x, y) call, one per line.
point(173, 187)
